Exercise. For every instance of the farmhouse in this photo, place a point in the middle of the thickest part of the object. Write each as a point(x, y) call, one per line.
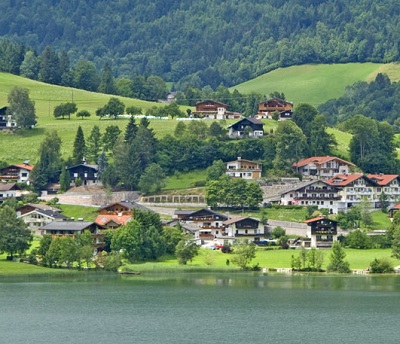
point(18, 173)
point(322, 166)
point(6, 121)
point(246, 127)
point(71, 228)
point(37, 218)
point(243, 228)
point(88, 174)
point(242, 168)
point(211, 108)
point(322, 231)
point(268, 107)
point(27, 208)
point(205, 223)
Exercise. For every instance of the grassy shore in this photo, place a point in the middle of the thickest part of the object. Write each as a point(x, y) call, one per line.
point(210, 261)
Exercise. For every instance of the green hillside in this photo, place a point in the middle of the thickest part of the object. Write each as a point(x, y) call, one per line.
point(315, 84)
point(17, 147)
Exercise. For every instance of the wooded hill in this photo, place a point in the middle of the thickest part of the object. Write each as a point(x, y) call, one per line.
point(207, 42)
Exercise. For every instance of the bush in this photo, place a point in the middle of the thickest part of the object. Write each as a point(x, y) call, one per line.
point(278, 232)
point(381, 266)
point(78, 182)
point(226, 249)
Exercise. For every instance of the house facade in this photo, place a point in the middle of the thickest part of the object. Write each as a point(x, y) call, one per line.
point(6, 120)
point(242, 168)
point(8, 190)
point(18, 173)
point(316, 192)
point(241, 228)
point(323, 167)
point(38, 218)
point(353, 188)
point(72, 228)
point(269, 106)
point(246, 127)
point(205, 223)
point(88, 174)
point(389, 184)
point(322, 231)
point(211, 108)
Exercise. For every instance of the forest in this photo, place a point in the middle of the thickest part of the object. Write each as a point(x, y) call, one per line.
point(210, 42)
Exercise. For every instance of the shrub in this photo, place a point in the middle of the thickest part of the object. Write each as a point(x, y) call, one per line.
point(226, 249)
point(278, 232)
point(381, 266)
point(78, 181)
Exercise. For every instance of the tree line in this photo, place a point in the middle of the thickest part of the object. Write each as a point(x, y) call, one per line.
point(217, 42)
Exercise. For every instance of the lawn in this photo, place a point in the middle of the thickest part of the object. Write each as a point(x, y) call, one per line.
point(185, 180)
point(78, 211)
point(380, 220)
point(315, 84)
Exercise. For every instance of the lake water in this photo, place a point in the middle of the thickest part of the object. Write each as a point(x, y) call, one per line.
point(200, 308)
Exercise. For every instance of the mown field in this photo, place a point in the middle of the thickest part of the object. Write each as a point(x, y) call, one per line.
point(315, 84)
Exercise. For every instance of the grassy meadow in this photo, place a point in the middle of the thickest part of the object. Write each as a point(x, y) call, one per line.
point(315, 84)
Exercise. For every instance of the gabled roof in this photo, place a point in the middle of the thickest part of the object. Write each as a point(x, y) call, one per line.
point(303, 185)
point(8, 186)
point(319, 218)
point(193, 212)
point(94, 167)
point(40, 206)
point(25, 166)
point(319, 160)
point(238, 219)
point(212, 101)
point(67, 225)
point(396, 207)
point(129, 205)
point(382, 179)
point(344, 179)
point(250, 119)
point(255, 162)
point(279, 100)
point(102, 220)
point(48, 213)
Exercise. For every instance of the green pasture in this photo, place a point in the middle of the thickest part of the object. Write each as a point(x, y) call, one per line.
point(78, 211)
point(380, 220)
point(315, 84)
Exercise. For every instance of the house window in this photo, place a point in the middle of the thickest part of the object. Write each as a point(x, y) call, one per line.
point(24, 174)
point(75, 175)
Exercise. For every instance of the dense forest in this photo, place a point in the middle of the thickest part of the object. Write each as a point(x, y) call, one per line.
point(208, 42)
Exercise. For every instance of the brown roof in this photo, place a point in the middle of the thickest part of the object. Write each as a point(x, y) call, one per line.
point(212, 101)
point(24, 166)
point(238, 219)
point(319, 160)
point(102, 220)
point(315, 219)
point(8, 186)
point(382, 179)
point(344, 179)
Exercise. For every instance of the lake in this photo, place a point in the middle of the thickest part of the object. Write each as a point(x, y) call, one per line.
point(200, 308)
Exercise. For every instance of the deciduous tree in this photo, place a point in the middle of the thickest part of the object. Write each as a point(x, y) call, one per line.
point(21, 108)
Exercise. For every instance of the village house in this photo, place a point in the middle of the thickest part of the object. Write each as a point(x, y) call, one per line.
point(241, 228)
point(205, 223)
point(389, 184)
point(214, 110)
point(8, 190)
point(88, 174)
point(117, 214)
point(353, 188)
point(393, 210)
point(323, 167)
point(242, 168)
point(72, 228)
point(316, 192)
point(27, 208)
point(246, 127)
point(322, 232)
point(18, 173)
point(6, 121)
point(37, 218)
point(267, 108)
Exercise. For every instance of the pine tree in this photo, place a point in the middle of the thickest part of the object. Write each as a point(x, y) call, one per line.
point(107, 84)
point(65, 179)
point(93, 145)
point(79, 147)
point(131, 130)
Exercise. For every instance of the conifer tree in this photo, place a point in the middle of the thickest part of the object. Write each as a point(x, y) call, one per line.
point(79, 147)
point(131, 130)
point(107, 84)
point(65, 179)
point(93, 145)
